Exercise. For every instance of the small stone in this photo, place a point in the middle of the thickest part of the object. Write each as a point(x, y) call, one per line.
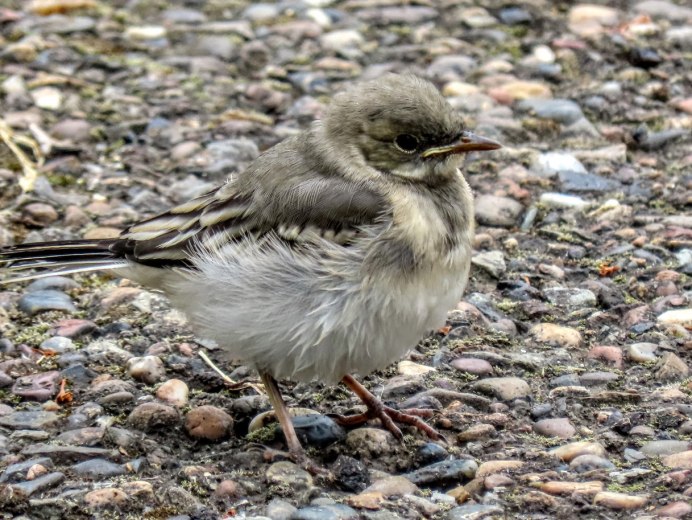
point(443, 472)
point(677, 509)
point(681, 460)
point(556, 335)
point(39, 214)
point(665, 447)
point(560, 427)
point(473, 366)
point(287, 473)
point(350, 474)
point(497, 466)
point(392, 486)
point(98, 468)
point(586, 463)
point(75, 130)
point(429, 453)
point(105, 498)
point(571, 488)
point(30, 420)
point(227, 489)
point(148, 369)
point(517, 90)
point(491, 261)
point(642, 352)
point(474, 511)
point(619, 500)
point(209, 423)
point(153, 416)
point(677, 316)
point(568, 452)
point(550, 164)
point(560, 200)
point(564, 111)
point(278, 509)
point(498, 481)
point(497, 211)
point(40, 387)
point(409, 368)
point(326, 512)
point(174, 392)
point(477, 432)
point(317, 430)
point(48, 300)
point(48, 98)
point(35, 471)
point(41, 483)
point(370, 442)
point(573, 298)
point(671, 367)
point(504, 388)
point(147, 32)
point(610, 354)
point(460, 494)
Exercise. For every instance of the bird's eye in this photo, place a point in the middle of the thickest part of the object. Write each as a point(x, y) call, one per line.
point(407, 143)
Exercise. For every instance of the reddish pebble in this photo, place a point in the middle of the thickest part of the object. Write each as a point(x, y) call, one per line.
point(609, 354)
point(473, 366)
point(675, 510)
point(226, 489)
point(73, 328)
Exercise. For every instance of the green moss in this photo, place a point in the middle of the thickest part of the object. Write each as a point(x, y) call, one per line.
point(262, 435)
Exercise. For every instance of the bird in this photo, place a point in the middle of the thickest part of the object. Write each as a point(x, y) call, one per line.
point(332, 254)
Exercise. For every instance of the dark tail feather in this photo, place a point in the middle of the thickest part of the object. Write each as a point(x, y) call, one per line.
point(53, 258)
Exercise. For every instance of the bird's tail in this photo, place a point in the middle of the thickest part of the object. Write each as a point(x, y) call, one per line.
point(58, 258)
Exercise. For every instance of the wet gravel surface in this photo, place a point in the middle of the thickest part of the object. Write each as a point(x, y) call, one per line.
point(561, 381)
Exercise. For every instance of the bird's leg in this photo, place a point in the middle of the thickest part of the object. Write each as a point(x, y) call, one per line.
point(388, 416)
point(281, 411)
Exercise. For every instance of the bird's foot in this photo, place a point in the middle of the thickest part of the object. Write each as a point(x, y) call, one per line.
point(389, 417)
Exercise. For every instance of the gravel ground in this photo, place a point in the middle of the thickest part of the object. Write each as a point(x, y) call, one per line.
point(562, 379)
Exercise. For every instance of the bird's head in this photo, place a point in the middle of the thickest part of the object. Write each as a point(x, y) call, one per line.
point(402, 127)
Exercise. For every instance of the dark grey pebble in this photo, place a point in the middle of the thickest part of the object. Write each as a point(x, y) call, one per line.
point(430, 453)
point(48, 300)
point(563, 111)
point(565, 380)
point(59, 283)
point(30, 487)
point(69, 453)
point(78, 373)
point(98, 468)
point(18, 470)
point(444, 471)
point(30, 420)
point(514, 16)
point(350, 474)
point(577, 182)
point(317, 430)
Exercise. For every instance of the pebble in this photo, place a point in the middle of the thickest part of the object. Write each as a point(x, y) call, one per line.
point(642, 352)
point(564, 111)
point(560, 200)
point(147, 369)
point(619, 500)
point(38, 387)
point(505, 388)
point(665, 447)
point(370, 442)
point(392, 486)
point(150, 417)
point(47, 98)
point(477, 432)
point(442, 472)
point(571, 488)
point(287, 473)
point(98, 468)
point(559, 427)
point(676, 316)
point(568, 452)
point(38, 484)
point(586, 463)
point(208, 423)
point(473, 366)
point(671, 367)
point(497, 211)
point(174, 392)
point(48, 300)
point(550, 164)
point(493, 262)
point(317, 430)
point(326, 512)
point(30, 420)
point(573, 298)
point(473, 511)
point(108, 497)
point(556, 335)
point(677, 509)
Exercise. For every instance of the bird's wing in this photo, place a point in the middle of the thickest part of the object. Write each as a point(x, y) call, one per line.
point(300, 208)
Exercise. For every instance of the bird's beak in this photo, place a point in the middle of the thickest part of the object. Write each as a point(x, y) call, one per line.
point(468, 142)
